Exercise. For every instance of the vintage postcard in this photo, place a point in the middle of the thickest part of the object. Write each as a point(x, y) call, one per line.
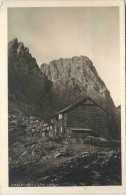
point(62, 111)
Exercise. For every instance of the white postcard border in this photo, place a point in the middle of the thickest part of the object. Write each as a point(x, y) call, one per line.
point(4, 99)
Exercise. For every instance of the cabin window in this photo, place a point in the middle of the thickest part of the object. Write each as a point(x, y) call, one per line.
point(61, 128)
point(60, 116)
point(50, 127)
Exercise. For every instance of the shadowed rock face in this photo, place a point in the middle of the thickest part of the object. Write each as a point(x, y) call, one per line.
point(26, 82)
point(73, 78)
point(24, 73)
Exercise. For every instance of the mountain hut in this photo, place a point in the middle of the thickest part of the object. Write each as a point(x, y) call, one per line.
point(84, 117)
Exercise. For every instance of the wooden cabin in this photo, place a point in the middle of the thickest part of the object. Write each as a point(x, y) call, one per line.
point(81, 118)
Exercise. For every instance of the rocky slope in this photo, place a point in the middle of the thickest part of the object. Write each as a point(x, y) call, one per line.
point(37, 161)
point(34, 161)
point(27, 84)
point(73, 78)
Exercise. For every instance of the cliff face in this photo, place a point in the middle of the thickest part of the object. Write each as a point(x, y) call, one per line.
point(25, 76)
point(26, 83)
point(76, 77)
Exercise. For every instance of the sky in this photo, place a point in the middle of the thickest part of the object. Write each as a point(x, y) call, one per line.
point(53, 33)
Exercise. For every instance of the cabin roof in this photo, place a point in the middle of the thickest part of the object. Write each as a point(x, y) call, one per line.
point(76, 104)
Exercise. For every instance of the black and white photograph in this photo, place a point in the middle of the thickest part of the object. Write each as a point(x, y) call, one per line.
point(64, 96)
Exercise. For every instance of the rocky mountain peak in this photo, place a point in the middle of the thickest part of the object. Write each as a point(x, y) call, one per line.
point(73, 78)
